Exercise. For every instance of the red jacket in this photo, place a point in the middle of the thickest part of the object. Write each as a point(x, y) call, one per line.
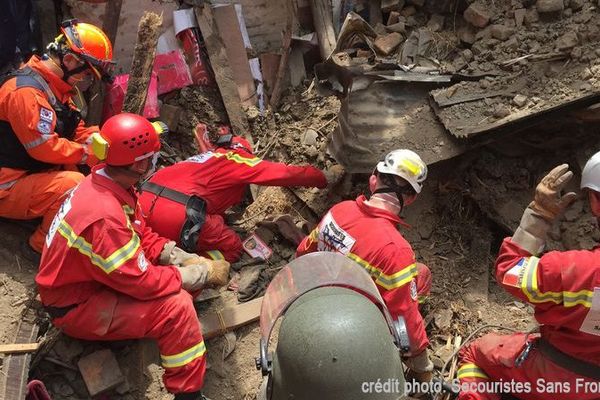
point(368, 235)
point(560, 286)
point(98, 240)
point(221, 178)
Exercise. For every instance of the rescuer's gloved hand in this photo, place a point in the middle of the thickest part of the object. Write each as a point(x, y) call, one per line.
point(421, 366)
point(173, 255)
point(201, 272)
point(333, 174)
point(549, 203)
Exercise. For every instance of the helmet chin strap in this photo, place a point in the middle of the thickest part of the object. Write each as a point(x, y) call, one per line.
point(392, 187)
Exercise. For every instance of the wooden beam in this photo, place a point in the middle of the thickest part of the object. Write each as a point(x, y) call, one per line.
point(19, 348)
point(223, 72)
point(142, 63)
point(283, 62)
point(323, 21)
point(230, 318)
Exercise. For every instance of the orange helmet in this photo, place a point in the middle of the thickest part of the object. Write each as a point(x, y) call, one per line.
point(126, 138)
point(91, 44)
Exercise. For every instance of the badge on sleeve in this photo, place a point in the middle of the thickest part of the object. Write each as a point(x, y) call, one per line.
point(514, 276)
point(44, 127)
point(142, 262)
point(413, 290)
point(46, 115)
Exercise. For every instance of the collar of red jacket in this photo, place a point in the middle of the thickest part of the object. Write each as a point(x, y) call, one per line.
point(61, 89)
point(124, 196)
point(378, 212)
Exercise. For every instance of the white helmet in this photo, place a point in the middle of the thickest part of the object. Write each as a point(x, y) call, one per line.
point(407, 165)
point(590, 176)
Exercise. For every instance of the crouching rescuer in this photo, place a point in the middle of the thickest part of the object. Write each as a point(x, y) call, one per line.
point(104, 275)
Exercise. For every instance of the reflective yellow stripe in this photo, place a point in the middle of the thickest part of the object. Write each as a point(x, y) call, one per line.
point(128, 210)
point(183, 358)
point(412, 167)
point(388, 282)
point(230, 155)
point(529, 286)
point(215, 254)
point(108, 265)
point(471, 371)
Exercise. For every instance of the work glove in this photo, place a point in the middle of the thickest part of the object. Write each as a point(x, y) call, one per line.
point(333, 174)
point(173, 255)
point(549, 203)
point(421, 366)
point(200, 272)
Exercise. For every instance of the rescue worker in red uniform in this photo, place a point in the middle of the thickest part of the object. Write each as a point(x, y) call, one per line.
point(41, 129)
point(186, 202)
point(562, 362)
point(104, 275)
point(365, 231)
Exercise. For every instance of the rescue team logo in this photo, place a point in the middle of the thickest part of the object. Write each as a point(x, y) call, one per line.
point(44, 127)
point(413, 290)
point(201, 158)
point(142, 262)
point(59, 217)
point(514, 276)
point(46, 115)
point(333, 238)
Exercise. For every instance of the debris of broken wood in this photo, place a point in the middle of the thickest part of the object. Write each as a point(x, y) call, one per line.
point(322, 19)
point(217, 323)
point(143, 61)
point(18, 348)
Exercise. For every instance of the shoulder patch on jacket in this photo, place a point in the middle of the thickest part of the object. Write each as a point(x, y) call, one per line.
point(46, 114)
point(44, 127)
point(201, 158)
point(332, 237)
point(142, 262)
point(514, 276)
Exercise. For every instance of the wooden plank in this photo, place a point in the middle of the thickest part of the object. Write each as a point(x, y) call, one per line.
point(220, 65)
point(322, 18)
point(19, 348)
point(232, 317)
point(231, 34)
point(283, 62)
point(143, 61)
point(15, 368)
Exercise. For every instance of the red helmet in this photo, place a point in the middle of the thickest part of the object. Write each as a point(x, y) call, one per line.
point(126, 138)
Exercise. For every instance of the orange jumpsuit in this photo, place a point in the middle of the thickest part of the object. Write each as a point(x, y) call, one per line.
point(27, 110)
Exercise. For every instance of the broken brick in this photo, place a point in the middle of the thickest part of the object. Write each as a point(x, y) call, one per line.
point(567, 41)
point(502, 32)
point(520, 17)
point(400, 27)
point(548, 6)
point(477, 15)
point(393, 18)
point(100, 371)
point(388, 43)
point(520, 100)
point(391, 5)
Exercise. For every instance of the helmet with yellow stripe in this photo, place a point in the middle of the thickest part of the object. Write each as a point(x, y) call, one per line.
point(405, 164)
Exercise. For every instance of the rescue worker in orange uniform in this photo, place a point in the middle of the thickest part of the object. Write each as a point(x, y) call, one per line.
point(104, 275)
point(185, 202)
point(562, 362)
point(41, 130)
point(365, 231)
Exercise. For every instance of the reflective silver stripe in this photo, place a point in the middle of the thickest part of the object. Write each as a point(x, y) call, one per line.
point(7, 184)
point(37, 142)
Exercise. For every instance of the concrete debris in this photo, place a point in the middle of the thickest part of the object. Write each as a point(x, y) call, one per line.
point(567, 41)
point(520, 100)
point(100, 371)
point(310, 137)
point(477, 15)
point(501, 111)
point(502, 32)
point(399, 27)
point(408, 11)
point(576, 5)
point(548, 6)
point(520, 17)
point(443, 319)
point(391, 5)
point(436, 22)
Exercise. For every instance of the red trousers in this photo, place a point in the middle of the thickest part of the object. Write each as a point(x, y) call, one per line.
point(171, 320)
point(218, 241)
point(38, 195)
point(491, 360)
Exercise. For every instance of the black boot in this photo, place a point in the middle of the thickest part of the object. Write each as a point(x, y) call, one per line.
point(190, 396)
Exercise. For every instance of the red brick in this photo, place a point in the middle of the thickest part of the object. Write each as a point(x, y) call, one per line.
point(100, 371)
